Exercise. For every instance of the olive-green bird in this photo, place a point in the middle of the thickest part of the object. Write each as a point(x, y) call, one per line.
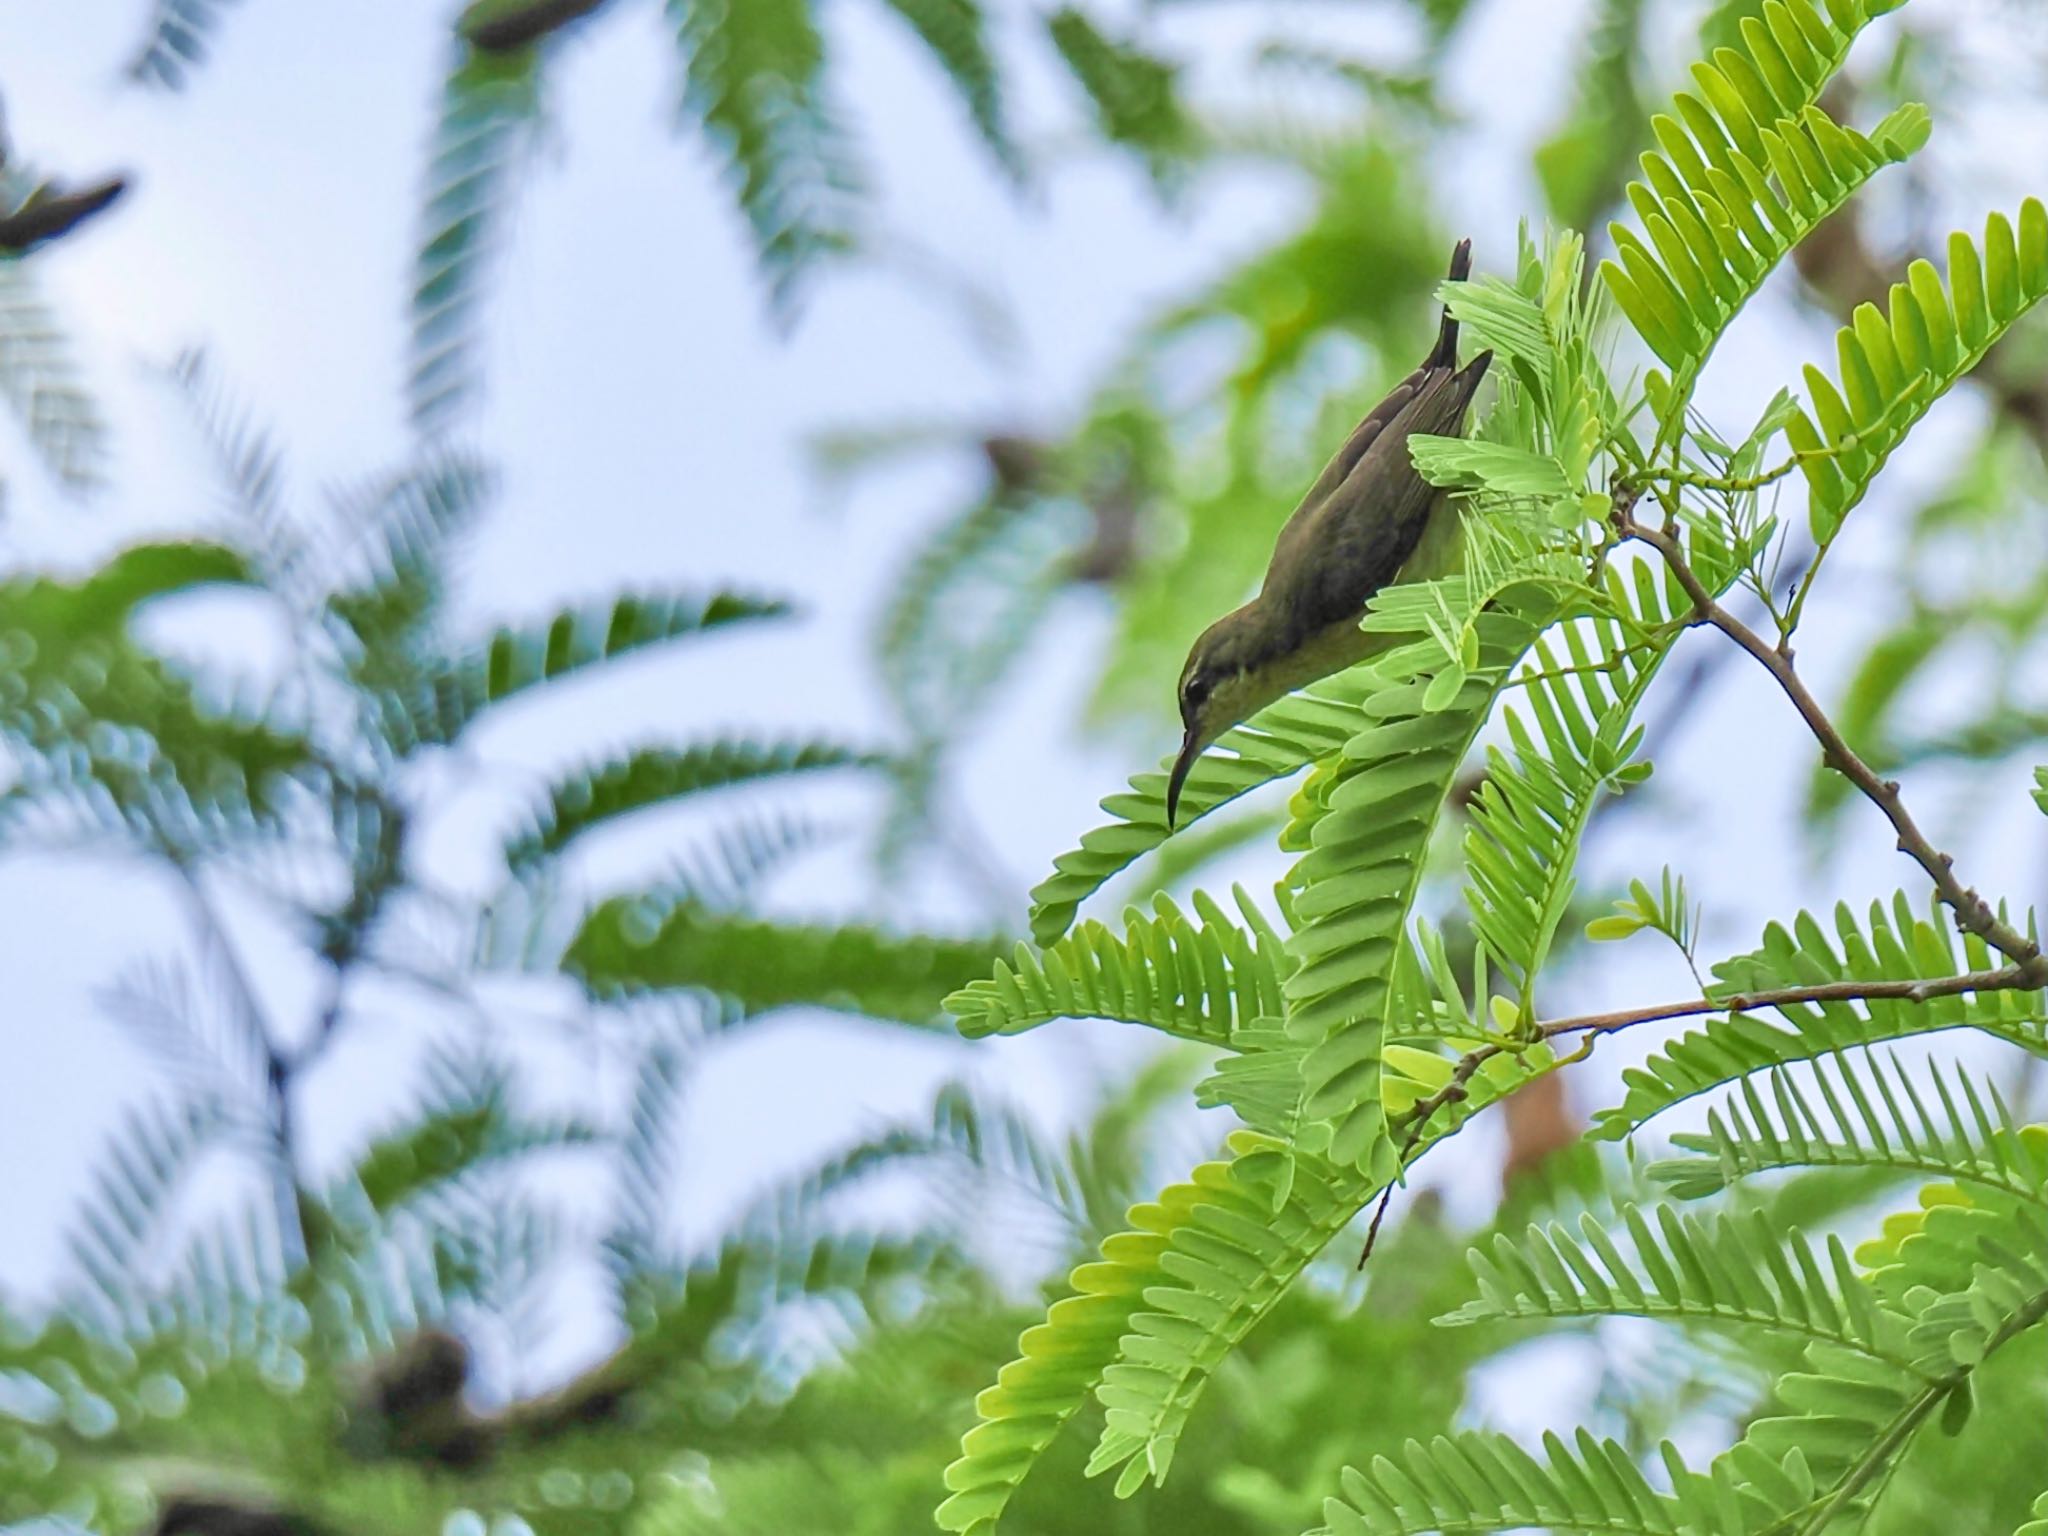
point(1368, 521)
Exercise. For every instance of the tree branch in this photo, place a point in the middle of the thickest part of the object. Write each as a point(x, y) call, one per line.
point(1920, 990)
point(1973, 913)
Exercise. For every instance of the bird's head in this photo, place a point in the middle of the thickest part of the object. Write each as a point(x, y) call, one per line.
point(1220, 685)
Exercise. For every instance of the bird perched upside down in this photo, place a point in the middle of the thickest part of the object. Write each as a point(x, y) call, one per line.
point(1369, 520)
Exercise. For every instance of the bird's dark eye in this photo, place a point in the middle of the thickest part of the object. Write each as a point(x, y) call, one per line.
point(1196, 690)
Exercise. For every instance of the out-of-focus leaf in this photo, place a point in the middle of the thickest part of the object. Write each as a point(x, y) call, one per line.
point(518, 658)
point(642, 944)
point(175, 41)
point(1135, 94)
point(490, 108)
point(41, 381)
point(756, 81)
point(1864, 714)
point(656, 776)
point(114, 727)
point(955, 32)
point(1584, 164)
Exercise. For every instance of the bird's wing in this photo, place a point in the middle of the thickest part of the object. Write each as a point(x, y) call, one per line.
point(1340, 467)
point(1364, 530)
point(1441, 363)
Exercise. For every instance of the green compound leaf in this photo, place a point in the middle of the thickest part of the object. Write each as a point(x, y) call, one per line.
point(1892, 367)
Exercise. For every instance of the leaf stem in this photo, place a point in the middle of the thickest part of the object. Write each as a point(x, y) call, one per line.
point(1593, 1025)
point(1879, 1457)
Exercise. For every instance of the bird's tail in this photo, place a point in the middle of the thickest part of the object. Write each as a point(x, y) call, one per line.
point(1446, 353)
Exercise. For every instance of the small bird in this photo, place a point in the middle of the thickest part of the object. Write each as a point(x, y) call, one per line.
point(1369, 520)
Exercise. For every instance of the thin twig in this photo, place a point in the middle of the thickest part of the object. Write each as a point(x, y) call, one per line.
point(1743, 485)
point(278, 1065)
point(1973, 912)
point(1921, 990)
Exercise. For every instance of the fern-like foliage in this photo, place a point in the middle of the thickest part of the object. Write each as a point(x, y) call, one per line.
point(42, 383)
point(460, 1132)
point(1057, 1363)
point(1135, 94)
point(756, 82)
point(975, 590)
point(962, 617)
point(382, 605)
point(1888, 944)
point(632, 944)
point(1737, 1270)
point(1748, 168)
point(1894, 367)
point(1366, 823)
point(118, 1226)
point(1861, 1112)
point(303, 1358)
point(1204, 979)
point(1251, 1227)
point(1237, 1245)
point(1147, 1325)
point(1366, 817)
point(955, 32)
point(649, 777)
point(175, 41)
point(1541, 790)
point(518, 658)
point(1486, 1482)
point(1375, 1018)
point(1970, 1270)
point(1968, 1275)
point(1241, 1231)
point(490, 108)
point(1887, 1345)
point(1281, 739)
point(161, 759)
point(249, 470)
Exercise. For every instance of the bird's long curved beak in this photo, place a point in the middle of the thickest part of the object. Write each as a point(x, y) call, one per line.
point(1190, 749)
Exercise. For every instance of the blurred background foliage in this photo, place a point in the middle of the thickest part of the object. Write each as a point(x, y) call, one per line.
point(245, 1345)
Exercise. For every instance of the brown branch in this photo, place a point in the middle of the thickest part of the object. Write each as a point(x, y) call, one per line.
point(1921, 990)
point(1973, 913)
point(408, 1404)
point(2005, 978)
point(203, 1515)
